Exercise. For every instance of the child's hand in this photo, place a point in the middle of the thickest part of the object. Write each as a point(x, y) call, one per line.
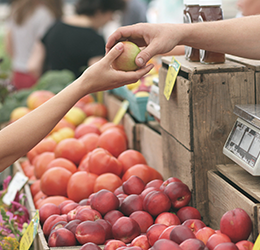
point(101, 76)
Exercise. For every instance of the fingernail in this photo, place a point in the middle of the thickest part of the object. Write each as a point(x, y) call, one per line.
point(119, 46)
point(140, 61)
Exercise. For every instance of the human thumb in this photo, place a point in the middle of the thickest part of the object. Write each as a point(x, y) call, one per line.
point(115, 52)
point(143, 57)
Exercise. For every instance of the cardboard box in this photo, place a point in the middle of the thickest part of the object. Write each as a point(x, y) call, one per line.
point(231, 187)
point(198, 117)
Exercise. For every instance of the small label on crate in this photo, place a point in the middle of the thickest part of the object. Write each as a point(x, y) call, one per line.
point(15, 185)
point(119, 115)
point(31, 231)
point(257, 243)
point(172, 73)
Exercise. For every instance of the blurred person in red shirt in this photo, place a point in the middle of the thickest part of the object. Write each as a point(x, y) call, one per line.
point(27, 22)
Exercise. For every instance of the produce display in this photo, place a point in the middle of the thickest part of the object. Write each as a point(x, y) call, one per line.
point(93, 192)
point(14, 219)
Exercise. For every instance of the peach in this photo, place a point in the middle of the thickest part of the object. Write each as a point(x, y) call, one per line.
point(245, 245)
point(90, 231)
point(165, 244)
point(67, 208)
point(168, 219)
point(133, 185)
point(112, 216)
point(188, 212)
point(236, 224)
point(154, 183)
point(90, 246)
point(114, 244)
point(154, 231)
point(61, 237)
point(168, 181)
point(104, 201)
point(47, 210)
point(88, 214)
point(226, 246)
point(131, 203)
point(125, 229)
point(156, 202)
point(181, 233)
point(178, 193)
point(107, 226)
point(194, 224)
point(166, 232)
point(193, 244)
point(216, 239)
point(141, 241)
point(49, 222)
point(143, 218)
point(204, 233)
point(72, 225)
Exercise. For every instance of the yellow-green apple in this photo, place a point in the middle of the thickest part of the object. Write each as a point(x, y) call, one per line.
point(126, 61)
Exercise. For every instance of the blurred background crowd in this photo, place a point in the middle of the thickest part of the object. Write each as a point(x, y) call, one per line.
point(34, 33)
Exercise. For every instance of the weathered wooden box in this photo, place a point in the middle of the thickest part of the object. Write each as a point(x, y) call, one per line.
point(198, 117)
point(230, 187)
point(253, 65)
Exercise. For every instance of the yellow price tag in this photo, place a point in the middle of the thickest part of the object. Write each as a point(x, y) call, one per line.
point(100, 97)
point(29, 235)
point(120, 113)
point(257, 243)
point(172, 73)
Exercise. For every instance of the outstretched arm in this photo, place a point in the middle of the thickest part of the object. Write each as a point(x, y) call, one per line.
point(238, 36)
point(22, 135)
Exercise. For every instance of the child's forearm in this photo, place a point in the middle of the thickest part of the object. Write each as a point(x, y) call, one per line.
point(33, 127)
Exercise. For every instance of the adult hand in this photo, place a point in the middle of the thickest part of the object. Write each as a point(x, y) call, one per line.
point(155, 38)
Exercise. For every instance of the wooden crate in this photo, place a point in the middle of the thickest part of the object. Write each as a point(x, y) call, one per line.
point(199, 116)
point(251, 64)
point(113, 105)
point(148, 141)
point(231, 187)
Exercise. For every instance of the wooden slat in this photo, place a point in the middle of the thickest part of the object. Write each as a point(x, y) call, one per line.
point(250, 184)
point(224, 197)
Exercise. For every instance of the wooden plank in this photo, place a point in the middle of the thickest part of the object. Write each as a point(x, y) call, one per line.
point(257, 87)
point(224, 197)
point(177, 160)
point(250, 184)
point(250, 63)
point(113, 105)
point(129, 126)
point(175, 112)
point(199, 68)
point(150, 145)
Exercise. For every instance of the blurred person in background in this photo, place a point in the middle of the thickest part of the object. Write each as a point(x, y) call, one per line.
point(248, 7)
point(75, 42)
point(27, 22)
point(135, 12)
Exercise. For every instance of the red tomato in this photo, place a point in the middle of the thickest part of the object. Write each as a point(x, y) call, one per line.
point(55, 180)
point(130, 158)
point(71, 149)
point(81, 185)
point(113, 140)
point(101, 161)
point(108, 181)
point(41, 163)
point(145, 172)
point(90, 141)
